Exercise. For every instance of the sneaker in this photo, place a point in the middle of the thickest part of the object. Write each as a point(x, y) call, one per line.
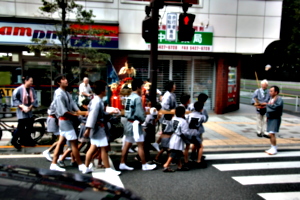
point(123, 166)
point(266, 136)
point(55, 167)
point(259, 134)
point(130, 150)
point(146, 167)
point(87, 170)
point(111, 171)
point(156, 146)
point(82, 167)
point(61, 163)
point(271, 151)
point(90, 166)
point(46, 153)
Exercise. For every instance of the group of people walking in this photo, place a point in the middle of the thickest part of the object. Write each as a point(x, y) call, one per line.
point(182, 126)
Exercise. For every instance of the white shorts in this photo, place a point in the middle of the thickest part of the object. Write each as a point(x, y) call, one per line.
point(130, 139)
point(98, 140)
point(69, 135)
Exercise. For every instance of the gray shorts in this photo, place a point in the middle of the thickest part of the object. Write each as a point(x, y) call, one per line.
point(165, 143)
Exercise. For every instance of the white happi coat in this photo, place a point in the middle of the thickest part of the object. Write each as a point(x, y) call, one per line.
point(180, 126)
point(95, 119)
point(64, 103)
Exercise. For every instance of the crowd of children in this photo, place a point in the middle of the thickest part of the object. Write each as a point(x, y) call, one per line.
point(181, 128)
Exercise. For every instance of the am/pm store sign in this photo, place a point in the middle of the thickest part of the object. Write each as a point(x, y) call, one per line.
point(168, 41)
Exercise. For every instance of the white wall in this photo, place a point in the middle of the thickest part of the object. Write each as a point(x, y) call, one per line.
point(240, 26)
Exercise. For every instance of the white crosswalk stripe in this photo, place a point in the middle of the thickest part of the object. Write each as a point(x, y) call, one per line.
point(255, 166)
point(267, 166)
point(267, 179)
point(281, 195)
point(227, 156)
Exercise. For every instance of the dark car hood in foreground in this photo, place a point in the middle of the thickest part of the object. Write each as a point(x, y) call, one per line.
point(19, 182)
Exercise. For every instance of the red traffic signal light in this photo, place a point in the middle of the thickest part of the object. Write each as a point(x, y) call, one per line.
point(186, 30)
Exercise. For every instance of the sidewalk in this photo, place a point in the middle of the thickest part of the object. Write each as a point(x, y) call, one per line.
point(230, 131)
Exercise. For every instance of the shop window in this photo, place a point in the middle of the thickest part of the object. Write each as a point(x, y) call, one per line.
point(9, 57)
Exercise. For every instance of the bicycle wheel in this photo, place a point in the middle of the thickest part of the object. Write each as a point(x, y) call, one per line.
point(38, 130)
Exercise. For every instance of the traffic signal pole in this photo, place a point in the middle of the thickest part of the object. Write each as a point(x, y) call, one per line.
point(155, 6)
point(154, 52)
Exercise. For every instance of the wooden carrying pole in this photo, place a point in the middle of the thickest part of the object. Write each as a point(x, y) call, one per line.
point(257, 80)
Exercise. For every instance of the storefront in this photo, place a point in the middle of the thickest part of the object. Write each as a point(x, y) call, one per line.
point(16, 60)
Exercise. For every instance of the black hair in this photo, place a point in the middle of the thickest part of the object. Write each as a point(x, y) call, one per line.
point(202, 97)
point(105, 103)
point(184, 98)
point(276, 89)
point(59, 78)
point(26, 78)
point(179, 111)
point(169, 85)
point(198, 106)
point(99, 86)
point(86, 101)
point(158, 106)
point(136, 83)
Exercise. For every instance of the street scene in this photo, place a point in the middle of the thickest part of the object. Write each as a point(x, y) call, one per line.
point(134, 99)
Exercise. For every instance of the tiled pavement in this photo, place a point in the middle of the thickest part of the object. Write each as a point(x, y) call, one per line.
point(238, 130)
point(234, 131)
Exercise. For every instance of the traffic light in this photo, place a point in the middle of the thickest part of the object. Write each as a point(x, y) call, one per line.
point(146, 29)
point(186, 30)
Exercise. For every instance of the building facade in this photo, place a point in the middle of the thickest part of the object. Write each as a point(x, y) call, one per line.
point(211, 63)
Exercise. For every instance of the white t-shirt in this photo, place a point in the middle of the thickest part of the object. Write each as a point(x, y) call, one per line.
point(83, 88)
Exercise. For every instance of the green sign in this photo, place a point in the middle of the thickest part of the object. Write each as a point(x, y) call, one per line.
point(200, 38)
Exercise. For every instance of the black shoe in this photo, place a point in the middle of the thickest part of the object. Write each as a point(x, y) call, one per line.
point(168, 170)
point(202, 164)
point(61, 163)
point(73, 164)
point(266, 136)
point(259, 134)
point(183, 169)
point(156, 162)
point(16, 145)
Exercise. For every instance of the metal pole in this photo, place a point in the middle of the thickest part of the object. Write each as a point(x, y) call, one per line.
point(154, 53)
point(296, 107)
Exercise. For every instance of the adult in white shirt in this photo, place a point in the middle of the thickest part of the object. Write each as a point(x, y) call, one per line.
point(85, 90)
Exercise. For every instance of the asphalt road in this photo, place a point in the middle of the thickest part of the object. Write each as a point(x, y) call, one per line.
point(209, 183)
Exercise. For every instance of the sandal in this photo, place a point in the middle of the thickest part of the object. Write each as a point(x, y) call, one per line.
point(168, 170)
point(183, 169)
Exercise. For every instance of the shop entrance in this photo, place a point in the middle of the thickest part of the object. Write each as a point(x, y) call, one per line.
point(192, 75)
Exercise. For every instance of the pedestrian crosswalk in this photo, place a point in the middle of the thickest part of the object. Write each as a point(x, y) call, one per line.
point(258, 179)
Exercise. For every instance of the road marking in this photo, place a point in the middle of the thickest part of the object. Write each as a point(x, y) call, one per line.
point(227, 156)
point(114, 180)
point(267, 179)
point(22, 156)
point(280, 195)
point(255, 166)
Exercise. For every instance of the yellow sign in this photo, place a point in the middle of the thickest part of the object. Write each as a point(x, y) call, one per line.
point(6, 91)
